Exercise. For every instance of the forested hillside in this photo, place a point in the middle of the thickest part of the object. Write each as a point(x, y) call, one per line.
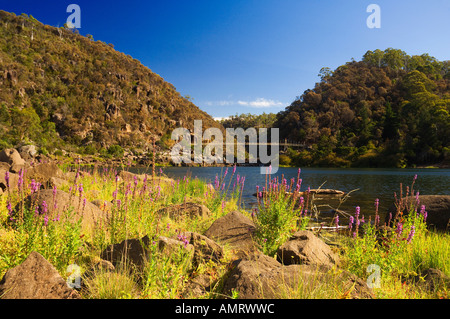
point(390, 109)
point(62, 90)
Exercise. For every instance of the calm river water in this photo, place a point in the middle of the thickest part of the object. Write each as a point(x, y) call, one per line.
point(368, 184)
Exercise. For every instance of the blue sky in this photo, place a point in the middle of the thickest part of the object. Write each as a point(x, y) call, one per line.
point(250, 56)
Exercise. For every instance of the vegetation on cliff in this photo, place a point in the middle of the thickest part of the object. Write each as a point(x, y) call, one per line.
point(62, 90)
point(390, 109)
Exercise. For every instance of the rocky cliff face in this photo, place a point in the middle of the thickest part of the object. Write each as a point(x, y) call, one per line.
point(68, 89)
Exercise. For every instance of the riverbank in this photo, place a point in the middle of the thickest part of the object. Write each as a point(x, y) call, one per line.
point(183, 226)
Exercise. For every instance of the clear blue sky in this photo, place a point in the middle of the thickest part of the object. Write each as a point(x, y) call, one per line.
point(250, 56)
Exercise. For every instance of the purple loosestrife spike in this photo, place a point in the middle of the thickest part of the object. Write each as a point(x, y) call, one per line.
point(20, 180)
point(411, 234)
point(45, 220)
point(422, 209)
point(350, 224)
point(44, 207)
point(399, 229)
point(9, 207)
point(7, 178)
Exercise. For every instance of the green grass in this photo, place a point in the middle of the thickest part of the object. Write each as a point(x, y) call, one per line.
point(134, 214)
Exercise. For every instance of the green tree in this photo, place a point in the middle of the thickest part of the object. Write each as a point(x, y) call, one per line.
point(25, 123)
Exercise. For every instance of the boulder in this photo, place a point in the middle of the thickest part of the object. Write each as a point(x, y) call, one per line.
point(35, 278)
point(198, 287)
point(138, 251)
point(436, 206)
point(261, 277)
point(65, 202)
point(433, 279)
point(170, 246)
point(306, 248)
point(13, 180)
point(235, 230)
point(28, 152)
point(129, 251)
point(48, 174)
point(205, 249)
point(185, 210)
point(13, 158)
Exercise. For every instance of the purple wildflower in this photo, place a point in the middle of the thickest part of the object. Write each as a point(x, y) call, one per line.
point(399, 229)
point(7, 178)
point(45, 220)
point(350, 224)
point(302, 201)
point(20, 180)
point(9, 207)
point(411, 233)
point(44, 207)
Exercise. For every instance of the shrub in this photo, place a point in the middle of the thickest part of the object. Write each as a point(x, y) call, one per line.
point(115, 151)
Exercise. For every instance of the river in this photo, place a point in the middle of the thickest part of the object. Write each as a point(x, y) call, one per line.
point(366, 184)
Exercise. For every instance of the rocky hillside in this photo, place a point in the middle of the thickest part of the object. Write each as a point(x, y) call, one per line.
point(62, 90)
point(390, 109)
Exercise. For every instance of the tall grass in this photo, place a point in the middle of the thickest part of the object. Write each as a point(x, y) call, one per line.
point(281, 211)
point(132, 210)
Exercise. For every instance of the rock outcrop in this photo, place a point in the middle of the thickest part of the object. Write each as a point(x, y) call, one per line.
point(35, 278)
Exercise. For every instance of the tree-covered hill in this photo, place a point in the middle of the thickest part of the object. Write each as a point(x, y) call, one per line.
point(390, 109)
point(62, 90)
